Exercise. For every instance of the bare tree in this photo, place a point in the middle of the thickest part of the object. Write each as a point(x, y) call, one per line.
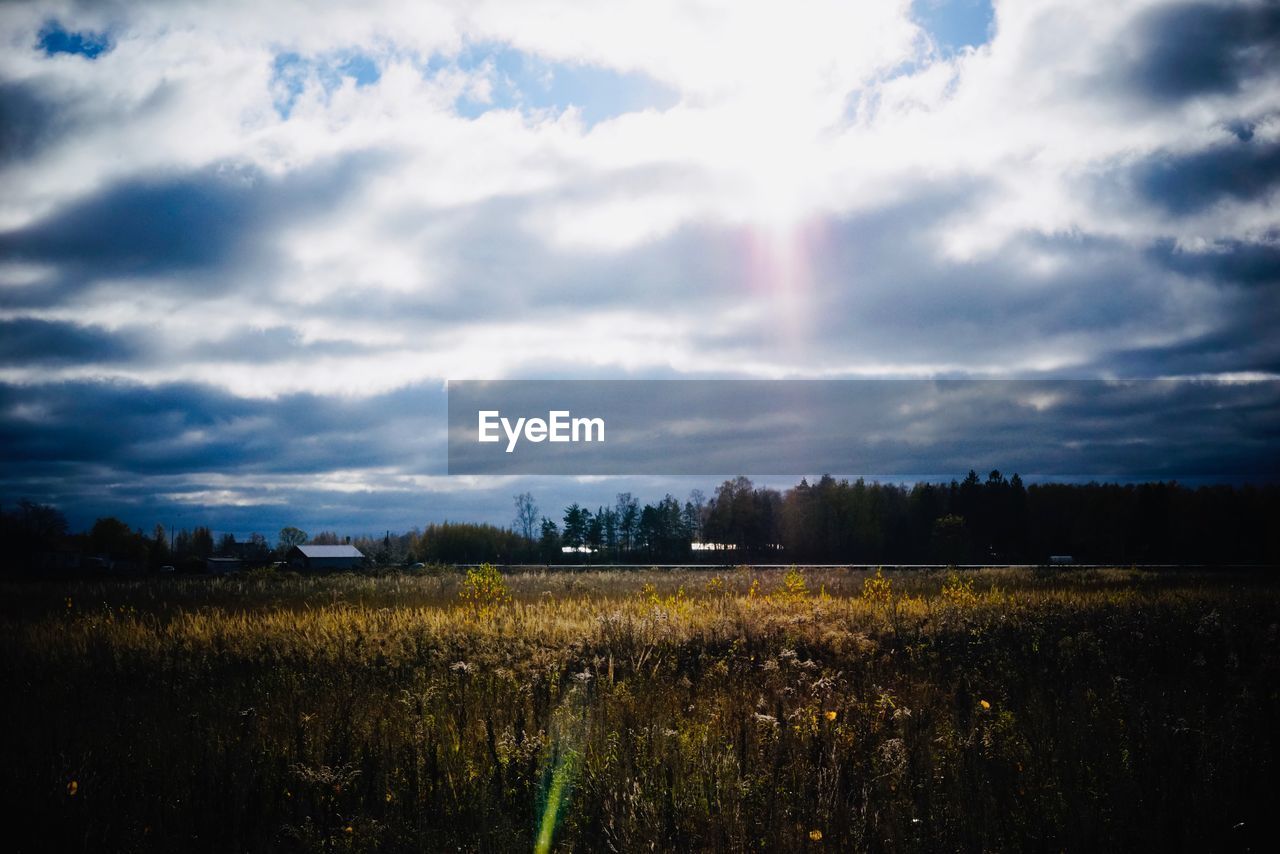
point(627, 509)
point(526, 515)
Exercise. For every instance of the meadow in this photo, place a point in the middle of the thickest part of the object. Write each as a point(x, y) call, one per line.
point(719, 710)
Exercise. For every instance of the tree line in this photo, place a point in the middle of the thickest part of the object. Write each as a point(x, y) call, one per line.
point(973, 520)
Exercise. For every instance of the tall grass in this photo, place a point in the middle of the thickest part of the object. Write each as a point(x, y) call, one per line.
point(730, 711)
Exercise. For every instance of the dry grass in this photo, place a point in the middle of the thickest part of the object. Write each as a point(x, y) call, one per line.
point(739, 710)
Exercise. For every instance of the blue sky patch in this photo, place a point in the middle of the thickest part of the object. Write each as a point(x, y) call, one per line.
point(956, 24)
point(357, 66)
point(291, 71)
point(526, 82)
point(54, 38)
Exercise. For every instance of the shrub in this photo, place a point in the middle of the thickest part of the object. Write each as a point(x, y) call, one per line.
point(877, 589)
point(958, 591)
point(793, 587)
point(484, 590)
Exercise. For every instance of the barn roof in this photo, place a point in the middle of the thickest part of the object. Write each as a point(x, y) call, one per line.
point(330, 551)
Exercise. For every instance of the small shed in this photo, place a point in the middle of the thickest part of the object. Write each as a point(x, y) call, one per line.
point(325, 557)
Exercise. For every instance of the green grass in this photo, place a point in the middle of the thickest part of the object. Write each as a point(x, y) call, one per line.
point(1000, 710)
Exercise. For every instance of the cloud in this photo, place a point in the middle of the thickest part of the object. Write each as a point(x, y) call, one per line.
point(1194, 49)
point(27, 121)
point(1241, 171)
point(201, 221)
point(1230, 262)
point(188, 428)
point(28, 340)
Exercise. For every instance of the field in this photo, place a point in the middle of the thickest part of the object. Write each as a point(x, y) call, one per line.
point(739, 710)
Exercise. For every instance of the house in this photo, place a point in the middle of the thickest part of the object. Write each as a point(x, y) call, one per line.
point(222, 565)
point(325, 557)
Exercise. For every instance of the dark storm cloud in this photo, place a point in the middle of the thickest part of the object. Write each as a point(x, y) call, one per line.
point(1242, 129)
point(147, 227)
point(1192, 49)
point(1229, 262)
point(1242, 347)
point(215, 221)
point(94, 448)
point(185, 428)
point(27, 341)
point(1189, 183)
point(29, 119)
point(45, 109)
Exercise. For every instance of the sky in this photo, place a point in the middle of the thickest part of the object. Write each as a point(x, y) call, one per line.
point(243, 245)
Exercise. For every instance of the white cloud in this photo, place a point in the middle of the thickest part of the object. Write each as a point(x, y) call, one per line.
point(496, 245)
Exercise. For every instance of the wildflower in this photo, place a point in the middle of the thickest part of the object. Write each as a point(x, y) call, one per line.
point(831, 715)
point(72, 788)
point(986, 707)
point(815, 835)
point(389, 797)
point(349, 829)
